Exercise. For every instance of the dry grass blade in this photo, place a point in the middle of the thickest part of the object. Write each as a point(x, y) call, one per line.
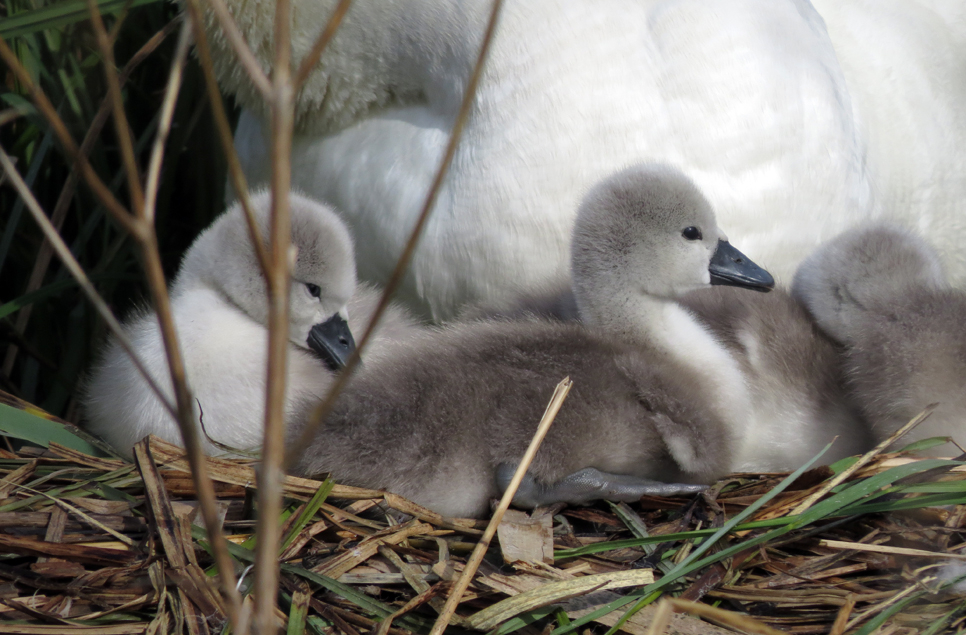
point(863, 460)
point(493, 616)
point(319, 412)
point(741, 622)
point(456, 593)
point(902, 551)
point(70, 508)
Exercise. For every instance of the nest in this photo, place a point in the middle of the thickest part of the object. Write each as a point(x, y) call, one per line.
point(98, 544)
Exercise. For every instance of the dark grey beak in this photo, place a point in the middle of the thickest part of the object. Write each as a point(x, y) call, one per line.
point(332, 341)
point(730, 266)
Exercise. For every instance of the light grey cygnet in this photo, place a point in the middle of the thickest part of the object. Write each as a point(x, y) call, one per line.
point(793, 373)
point(437, 419)
point(220, 309)
point(880, 291)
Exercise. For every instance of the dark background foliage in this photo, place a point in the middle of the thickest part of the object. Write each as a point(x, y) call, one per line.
point(64, 333)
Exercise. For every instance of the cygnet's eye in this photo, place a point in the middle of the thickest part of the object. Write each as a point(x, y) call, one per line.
point(314, 290)
point(691, 233)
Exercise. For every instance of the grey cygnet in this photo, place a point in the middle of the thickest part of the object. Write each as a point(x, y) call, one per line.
point(436, 419)
point(220, 310)
point(881, 293)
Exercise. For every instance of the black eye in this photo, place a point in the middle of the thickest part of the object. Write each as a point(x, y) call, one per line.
point(314, 290)
point(691, 233)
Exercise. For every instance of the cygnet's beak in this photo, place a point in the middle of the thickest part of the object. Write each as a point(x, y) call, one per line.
point(730, 266)
point(332, 341)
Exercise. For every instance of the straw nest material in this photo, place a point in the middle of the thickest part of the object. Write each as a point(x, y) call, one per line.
point(96, 544)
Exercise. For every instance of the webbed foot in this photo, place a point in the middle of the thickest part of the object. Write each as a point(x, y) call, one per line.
point(587, 485)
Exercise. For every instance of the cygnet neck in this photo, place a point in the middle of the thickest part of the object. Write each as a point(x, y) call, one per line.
point(628, 317)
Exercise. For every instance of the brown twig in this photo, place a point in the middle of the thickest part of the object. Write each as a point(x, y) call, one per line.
point(121, 126)
point(164, 122)
point(235, 172)
point(279, 287)
point(245, 56)
point(456, 593)
point(157, 285)
point(315, 53)
point(322, 409)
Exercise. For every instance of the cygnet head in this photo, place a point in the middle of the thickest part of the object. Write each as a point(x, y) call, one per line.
point(323, 278)
point(648, 231)
point(860, 268)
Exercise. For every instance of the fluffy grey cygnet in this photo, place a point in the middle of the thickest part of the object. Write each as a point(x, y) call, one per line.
point(793, 373)
point(880, 291)
point(439, 419)
point(220, 309)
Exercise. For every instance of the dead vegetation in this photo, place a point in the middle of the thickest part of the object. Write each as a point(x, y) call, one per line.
point(98, 544)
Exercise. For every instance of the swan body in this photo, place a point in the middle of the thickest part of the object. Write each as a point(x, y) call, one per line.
point(438, 418)
point(904, 63)
point(220, 309)
point(746, 97)
point(881, 293)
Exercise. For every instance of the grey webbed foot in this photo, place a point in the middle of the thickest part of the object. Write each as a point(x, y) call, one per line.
point(587, 485)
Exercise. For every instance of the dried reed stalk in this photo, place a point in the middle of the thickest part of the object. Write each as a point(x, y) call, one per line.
point(278, 275)
point(322, 409)
point(456, 593)
point(315, 54)
point(151, 259)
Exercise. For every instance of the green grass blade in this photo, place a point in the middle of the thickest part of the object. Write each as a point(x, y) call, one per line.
point(59, 14)
point(21, 424)
point(867, 488)
point(52, 290)
point(14, 219)
point(311, 508)
point(881, 618)
point(925, 444)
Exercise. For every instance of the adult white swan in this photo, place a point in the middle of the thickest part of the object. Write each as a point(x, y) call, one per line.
point(747, 97)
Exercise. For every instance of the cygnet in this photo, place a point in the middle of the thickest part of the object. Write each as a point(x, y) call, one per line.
point(881, 293)
point(440, 418)
point(794, 375)
point(220, 309)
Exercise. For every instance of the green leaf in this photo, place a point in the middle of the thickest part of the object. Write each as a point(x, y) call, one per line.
point(308, 513)
point(925, 444)
point(44, 292)
point(59, 14)
point(28, 426)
